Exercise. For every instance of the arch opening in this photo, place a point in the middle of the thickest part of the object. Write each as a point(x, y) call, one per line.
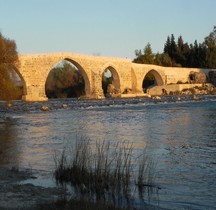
point(110, 82)
point(151, 79)
point(12, 84)
point(66, 79)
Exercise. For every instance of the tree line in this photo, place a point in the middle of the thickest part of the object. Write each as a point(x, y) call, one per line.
point(178, 53)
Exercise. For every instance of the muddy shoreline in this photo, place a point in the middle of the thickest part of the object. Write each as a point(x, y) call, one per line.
point(17, 196)
point(14, 195)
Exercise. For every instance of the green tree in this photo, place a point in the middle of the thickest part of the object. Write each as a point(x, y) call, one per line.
point(167, 45)
point(139, 57)
point(179, 55)
point(198, 55)
point(147, 57)
point(173, 48)
point(166, 60)
point(210, 42)
point(158, 59)
point(8, 59)
point(170, 49)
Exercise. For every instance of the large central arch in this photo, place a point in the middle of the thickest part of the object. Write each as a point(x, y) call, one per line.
point(79, 68)
point(85, 77)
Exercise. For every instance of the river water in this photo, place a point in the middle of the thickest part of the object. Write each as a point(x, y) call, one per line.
point(180, 135)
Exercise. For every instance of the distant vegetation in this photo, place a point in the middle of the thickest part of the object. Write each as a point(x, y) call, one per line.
point(181, 54)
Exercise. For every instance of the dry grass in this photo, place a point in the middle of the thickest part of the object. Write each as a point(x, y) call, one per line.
point(104, 172)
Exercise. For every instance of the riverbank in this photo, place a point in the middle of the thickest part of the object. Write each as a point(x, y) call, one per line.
point(74, 103)
point(14, 195)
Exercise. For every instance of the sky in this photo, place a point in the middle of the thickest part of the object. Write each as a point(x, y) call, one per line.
point(114, 28)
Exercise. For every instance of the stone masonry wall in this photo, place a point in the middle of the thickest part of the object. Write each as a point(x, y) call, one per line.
point(35, 68)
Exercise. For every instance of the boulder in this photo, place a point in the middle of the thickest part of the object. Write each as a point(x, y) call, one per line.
point(127, 91)
point(198, 77)
point(64, 106)
point(44, 108)
point(112, 90)
point(156, 97)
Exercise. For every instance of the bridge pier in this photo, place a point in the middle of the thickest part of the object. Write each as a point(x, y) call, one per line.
point(35, 93)
point(32, 98)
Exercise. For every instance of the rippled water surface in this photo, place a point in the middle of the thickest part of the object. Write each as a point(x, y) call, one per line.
point(181, 136)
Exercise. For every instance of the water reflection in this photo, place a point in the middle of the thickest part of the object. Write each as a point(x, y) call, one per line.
point(35, 140)
point(9, 152)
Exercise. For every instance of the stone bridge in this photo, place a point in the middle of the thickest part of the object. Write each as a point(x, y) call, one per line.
point(34, 69)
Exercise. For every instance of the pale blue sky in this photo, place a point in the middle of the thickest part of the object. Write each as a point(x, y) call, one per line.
point(106, 27)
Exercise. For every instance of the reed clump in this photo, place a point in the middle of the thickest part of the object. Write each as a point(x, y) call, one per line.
point(104, 171)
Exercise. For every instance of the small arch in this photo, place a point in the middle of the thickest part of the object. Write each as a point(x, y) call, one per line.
point(152, 78)
point(110, 81)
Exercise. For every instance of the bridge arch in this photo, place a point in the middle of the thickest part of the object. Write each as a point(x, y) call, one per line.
point(84, 74)
point(16, 70)
point(115, 78)
point(79, 68)
point(152, 78)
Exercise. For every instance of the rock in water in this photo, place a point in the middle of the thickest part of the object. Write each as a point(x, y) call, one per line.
point(44, 108)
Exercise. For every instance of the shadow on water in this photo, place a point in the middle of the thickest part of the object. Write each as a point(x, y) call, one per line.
point(8, 146)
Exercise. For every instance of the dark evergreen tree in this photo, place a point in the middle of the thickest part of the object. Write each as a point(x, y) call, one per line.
point(167, 45)
point(148, 56)
point(210, 42)
point(182, 52)
point(170, 48)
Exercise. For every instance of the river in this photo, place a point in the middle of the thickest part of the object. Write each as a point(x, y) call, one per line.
point(179, 134)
